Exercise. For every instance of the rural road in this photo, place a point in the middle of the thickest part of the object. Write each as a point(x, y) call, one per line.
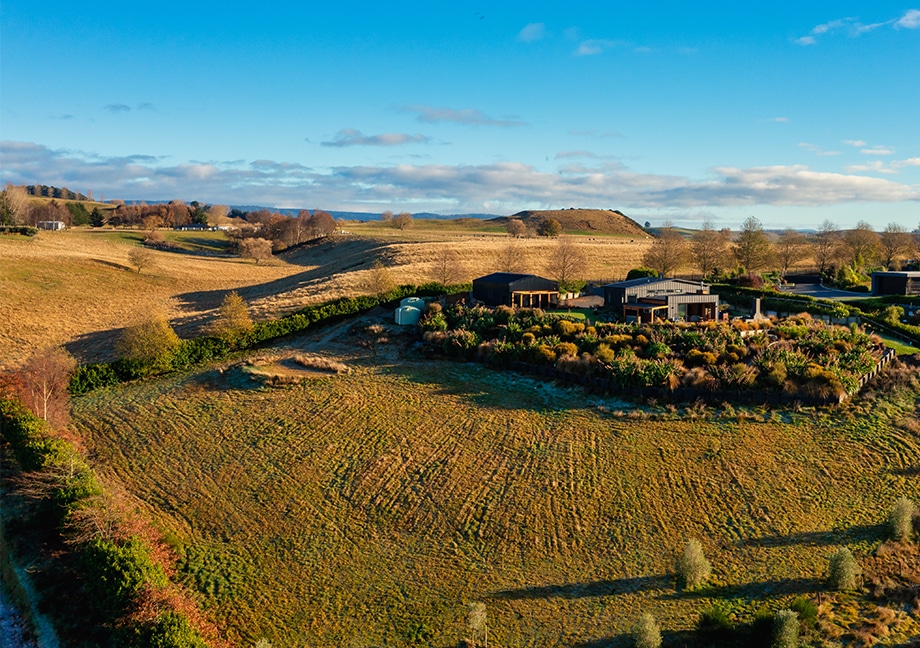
point(822, 292)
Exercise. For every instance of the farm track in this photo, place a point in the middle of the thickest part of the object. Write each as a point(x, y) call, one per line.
point(343, 510)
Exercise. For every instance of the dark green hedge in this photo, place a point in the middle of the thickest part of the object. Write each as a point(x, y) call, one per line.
point(25, 230)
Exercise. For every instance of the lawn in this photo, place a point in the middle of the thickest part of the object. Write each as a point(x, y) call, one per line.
point(371, 507)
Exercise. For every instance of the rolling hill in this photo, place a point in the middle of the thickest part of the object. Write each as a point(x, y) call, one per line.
point(599, 221)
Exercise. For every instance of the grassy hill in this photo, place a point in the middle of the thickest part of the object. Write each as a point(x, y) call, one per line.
point(78, 288)
point(371, 507)
point(582, 221)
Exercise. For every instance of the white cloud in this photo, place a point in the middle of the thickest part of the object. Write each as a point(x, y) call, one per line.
point(876, 166)
point(906, 163)
point(596, 46)
point(439, 187)
point(352, 137)
point(856, 143)
point(854, 28)
point(878, 150)
point(532, 32)
point(469, 116)
point(910, 19)
point(817, 150)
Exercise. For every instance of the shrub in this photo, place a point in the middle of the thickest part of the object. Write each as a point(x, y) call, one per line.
point(566, 348)
point(645, 632)
point(842, 570)
point(901, 519)
point(604, 353)
point(692, 567)
point(640, 273)
point(714, 622)
point(807, 610)
point(169, 630)
point(88, 377)
point(118, 572)
point(546, 354)
point(786, 629)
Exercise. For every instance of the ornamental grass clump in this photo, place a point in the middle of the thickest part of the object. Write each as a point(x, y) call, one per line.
point(901, 519)
point(693, 570)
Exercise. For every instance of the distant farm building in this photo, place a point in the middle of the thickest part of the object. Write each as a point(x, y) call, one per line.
point(520, 290)
point(653, 298)
point(896, 283)
point(51, 225)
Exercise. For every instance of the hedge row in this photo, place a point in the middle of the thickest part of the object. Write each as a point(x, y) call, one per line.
point(201, 350)
point(25, 230)
point(114, 572)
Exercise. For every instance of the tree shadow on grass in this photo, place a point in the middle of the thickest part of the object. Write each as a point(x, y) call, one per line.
point(910, 471)
point(584, 590)
point(848, 535)
point(760, 590)
point(669, 639)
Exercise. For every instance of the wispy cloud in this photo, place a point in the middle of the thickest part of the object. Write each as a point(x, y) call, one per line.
point(532, 32)
point(857, 143)
point(878, 150)
point(596, 46)
point(116, 108)
point(468, 116)
point(505, 185)
point(880, 166)
point(817, 150)
point(595, 133)
point(778, 120)
point(352, 137)
point(853, 27)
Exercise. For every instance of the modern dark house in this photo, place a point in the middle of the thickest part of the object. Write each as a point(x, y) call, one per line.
point(520, 290)
point(653, 298)
point(896, 283)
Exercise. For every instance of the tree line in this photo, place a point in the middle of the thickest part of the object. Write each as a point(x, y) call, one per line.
point(838, 255)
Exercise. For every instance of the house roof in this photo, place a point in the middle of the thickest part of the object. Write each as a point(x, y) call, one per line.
point(506, 277)
point(644, 281)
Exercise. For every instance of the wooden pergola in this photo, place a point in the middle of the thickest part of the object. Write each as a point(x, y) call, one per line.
point(533, 298)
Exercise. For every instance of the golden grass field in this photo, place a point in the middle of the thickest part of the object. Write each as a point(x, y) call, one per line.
point(370, 507)
point(77, 287)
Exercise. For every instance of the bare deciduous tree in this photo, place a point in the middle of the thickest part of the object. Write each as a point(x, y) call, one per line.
point(566, 264)
point(17, 203)
point(45, 378)
point(258, 249)
point(825, 245)
point(402, 220)
point(645, 632)
point(861, 245)
point(140, 258)
point(516, 228)
point(790, 249)
point(752, 248)
point(447, 267)
point(511, 258)
point(380, 280)
point(709, 247)
point(692, 567)
point(896, 242)
point(386, 216)
point(667, 253)
point(217, 214)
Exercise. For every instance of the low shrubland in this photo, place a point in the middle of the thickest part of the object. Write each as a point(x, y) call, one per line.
point(799, 356)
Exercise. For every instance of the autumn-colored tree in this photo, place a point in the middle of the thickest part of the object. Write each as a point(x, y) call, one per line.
point(709, 248)
point(550, 228)
point(566, 264)
point(791, 248)
point(861, 245)
point(217, 214)
point(151, 344)
point(477, 623)
point(667, 253)
point(44, 379)
point(896, 242)
point(752, 248)
point(386, 216)
point(233, 320)
point(516, 228)
point(380, 280)
point(16, 205)
point(140, 258)
point(322, 224)
point(447, 267)
point(258, 249)
point(402, 220)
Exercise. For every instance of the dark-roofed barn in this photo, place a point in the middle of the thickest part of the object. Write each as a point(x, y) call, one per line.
point(650, 298)
point(521, 290)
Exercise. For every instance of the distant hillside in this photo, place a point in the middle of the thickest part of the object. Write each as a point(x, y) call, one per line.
point(54, 192)
point(602, 221)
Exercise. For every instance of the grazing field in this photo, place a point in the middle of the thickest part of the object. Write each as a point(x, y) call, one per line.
point(370, 507)
point(78, 287)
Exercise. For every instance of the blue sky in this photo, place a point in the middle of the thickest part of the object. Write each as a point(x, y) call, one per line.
point(793, 113)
